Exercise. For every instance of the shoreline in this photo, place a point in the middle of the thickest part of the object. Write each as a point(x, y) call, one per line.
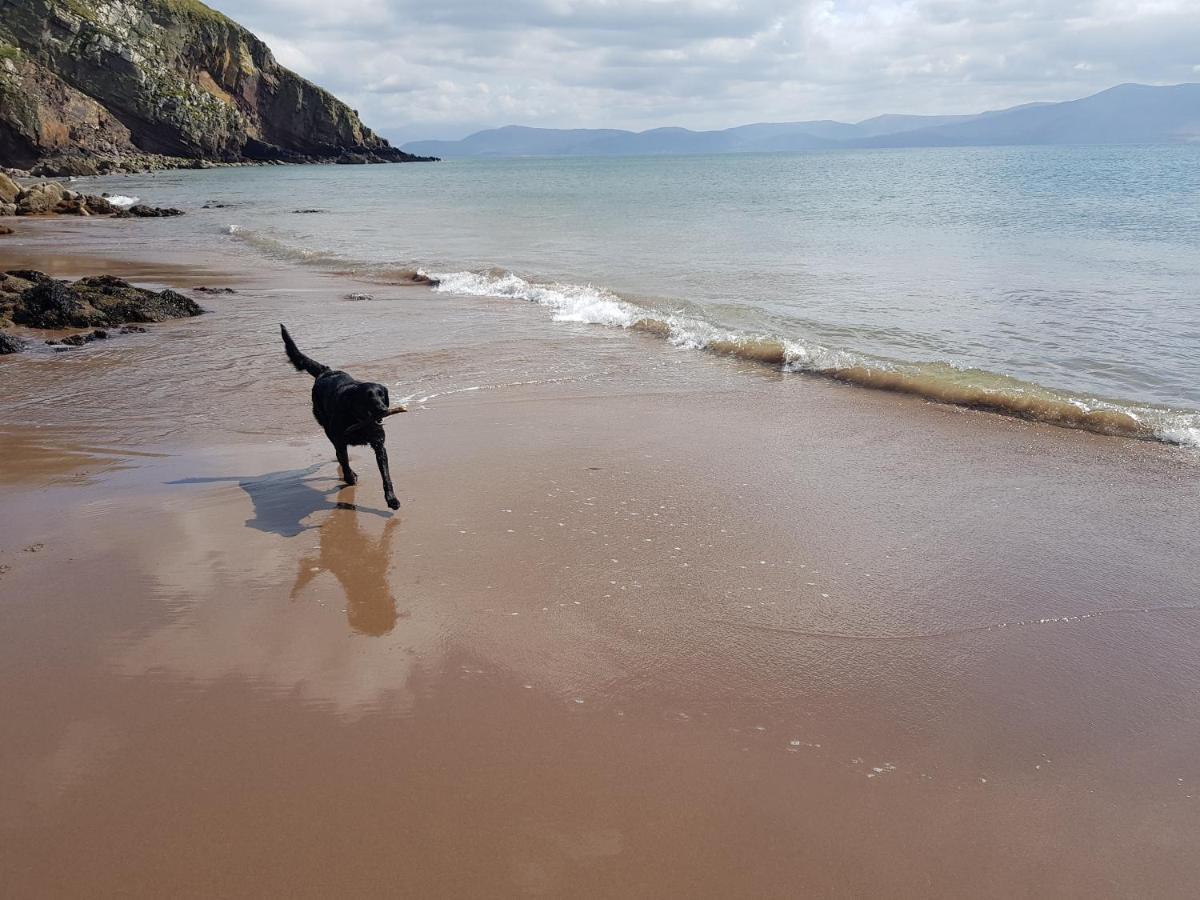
point(592, 653)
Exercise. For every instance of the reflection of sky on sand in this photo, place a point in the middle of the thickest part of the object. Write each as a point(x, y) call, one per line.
point(290, 585)
point(239, 615)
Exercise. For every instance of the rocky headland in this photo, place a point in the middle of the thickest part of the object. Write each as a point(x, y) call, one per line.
point(100, 86)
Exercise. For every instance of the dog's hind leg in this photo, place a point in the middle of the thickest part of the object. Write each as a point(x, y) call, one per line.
point(343, 457)
point(381, 457)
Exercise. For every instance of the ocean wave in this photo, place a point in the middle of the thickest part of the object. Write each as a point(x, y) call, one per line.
point(938, 382)
point(273, 247)
point(121, 201)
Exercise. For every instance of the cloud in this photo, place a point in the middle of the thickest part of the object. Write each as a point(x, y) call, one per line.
point(420, 69)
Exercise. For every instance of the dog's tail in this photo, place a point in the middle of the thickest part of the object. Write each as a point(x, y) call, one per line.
point(298, 359)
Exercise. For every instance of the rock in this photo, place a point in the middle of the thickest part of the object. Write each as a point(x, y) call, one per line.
point(212, 290)
point(69, 166)
point(78, 340)
point(357, 296)
point(41, 198)
point(142, 211)
point(304, 212)
point(351, 159)
point(8, 209)
point(132, 329)
point(4, 229)
point(99, 206)
point(85, 81)
point(50, 304)
point(98, 301)
point(9, 189)
point(72, 206)
point(10, 344)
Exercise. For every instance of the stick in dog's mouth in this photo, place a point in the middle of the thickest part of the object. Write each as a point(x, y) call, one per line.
point(382, 416)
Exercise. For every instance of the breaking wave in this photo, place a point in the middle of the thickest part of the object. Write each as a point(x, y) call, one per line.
point(939, 382)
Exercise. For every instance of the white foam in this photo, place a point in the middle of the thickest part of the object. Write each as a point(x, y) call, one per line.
point(570, 302)
point(121, 201)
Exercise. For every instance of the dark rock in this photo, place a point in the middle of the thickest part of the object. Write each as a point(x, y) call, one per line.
point(4, 229)
point(28, 275)
point(357, 296)
point(308, 211)
point(142, 211)
point(98, 205)
point(351, 159)
point(214, 290)
point(10, 344)
point(50, 304)
point(132, 329)
point(213, 204)
point(78, 340)
point(97, 301)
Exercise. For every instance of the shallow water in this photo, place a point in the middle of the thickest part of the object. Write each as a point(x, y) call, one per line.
point(1054, 283)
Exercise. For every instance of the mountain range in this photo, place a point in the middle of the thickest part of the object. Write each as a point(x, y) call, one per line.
point(1125, 114)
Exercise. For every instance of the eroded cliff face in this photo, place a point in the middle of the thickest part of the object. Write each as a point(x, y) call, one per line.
point(104, 79)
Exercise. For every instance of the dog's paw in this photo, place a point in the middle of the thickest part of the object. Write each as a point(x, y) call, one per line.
point(350, 478)
point(393, 503)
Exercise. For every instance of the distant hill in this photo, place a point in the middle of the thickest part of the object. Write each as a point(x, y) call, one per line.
point(1126, 114)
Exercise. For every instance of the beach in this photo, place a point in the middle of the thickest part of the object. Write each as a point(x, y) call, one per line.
point(648, 623)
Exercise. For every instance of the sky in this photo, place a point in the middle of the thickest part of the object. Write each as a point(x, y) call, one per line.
point(444, 68)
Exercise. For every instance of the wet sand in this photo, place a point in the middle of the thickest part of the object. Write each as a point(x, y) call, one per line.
point(647, 624)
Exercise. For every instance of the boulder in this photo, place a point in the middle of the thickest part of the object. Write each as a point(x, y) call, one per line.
point(102, 300)
point(70, 166)
point(41, 198)
point(51, 304)
point(142, 211)
point(4, 229)
point(72, 206)
point(8, 209)
point(10, 344)
point(98, 206)
point(9, 189)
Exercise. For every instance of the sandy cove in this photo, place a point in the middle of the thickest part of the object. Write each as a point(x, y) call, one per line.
point(659, 625)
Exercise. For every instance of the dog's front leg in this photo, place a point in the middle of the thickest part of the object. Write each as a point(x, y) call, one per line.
point(381, 457)
point(343, 457)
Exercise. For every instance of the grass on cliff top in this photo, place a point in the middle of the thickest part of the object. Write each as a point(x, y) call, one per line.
point(191, 9)
point(8, 51)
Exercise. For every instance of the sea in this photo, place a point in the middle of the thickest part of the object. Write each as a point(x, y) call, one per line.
point(1059, 284)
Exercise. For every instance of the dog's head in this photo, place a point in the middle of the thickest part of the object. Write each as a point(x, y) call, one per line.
point(371, 401)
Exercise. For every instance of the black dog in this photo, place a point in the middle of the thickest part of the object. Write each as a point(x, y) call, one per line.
point(350, 411)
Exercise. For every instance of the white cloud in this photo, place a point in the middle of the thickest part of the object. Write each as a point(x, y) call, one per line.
point(416, 69)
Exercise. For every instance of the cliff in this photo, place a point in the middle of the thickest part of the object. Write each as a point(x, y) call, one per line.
point(98, 84)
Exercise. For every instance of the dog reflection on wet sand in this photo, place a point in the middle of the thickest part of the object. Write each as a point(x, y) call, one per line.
point(359, 564)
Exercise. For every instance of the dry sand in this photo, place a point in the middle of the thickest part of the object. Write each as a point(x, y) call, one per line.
point(662, 625)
